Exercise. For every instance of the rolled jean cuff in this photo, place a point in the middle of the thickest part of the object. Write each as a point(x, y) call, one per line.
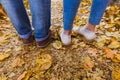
point(25, 36)
point(41, 39)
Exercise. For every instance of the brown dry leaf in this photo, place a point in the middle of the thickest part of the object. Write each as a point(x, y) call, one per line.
point(4, 56)
point(3, 77)
point(114, 45)
point(17, 62)
point(57, 45)
point(109, 53)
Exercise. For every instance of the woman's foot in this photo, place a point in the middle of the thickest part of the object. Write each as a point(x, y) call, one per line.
point(87, 31)
point(65, 37)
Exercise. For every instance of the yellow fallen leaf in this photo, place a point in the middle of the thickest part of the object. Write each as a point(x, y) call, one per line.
point(118, 56)
point(4, 38)
point(101, 42)
point(43, 63)
point(27, 76)
point(115, 60)
point(116, 74)
point(4, 56)
point(3, 77)
point(114, 45)
point(57, 44)
point(1, 34)
point(75, 46)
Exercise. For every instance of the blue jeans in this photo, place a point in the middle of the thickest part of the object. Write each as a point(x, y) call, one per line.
point(70, 8)
point(40, 11)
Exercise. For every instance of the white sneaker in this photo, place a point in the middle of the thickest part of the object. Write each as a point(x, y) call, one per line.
point(89, 35)
point(66, 39)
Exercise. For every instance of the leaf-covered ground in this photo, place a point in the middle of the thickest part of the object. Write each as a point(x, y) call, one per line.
point(82, 60)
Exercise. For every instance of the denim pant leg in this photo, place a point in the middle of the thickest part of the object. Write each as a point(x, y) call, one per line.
point(97, 10)
point(40, 10)
point(18, 16)
point(69, 11)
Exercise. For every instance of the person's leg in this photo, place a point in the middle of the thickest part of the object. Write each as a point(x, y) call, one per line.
point(18, 16)
point(41, 21)
point(41, 14)
point(69, 12)
point(97, 10)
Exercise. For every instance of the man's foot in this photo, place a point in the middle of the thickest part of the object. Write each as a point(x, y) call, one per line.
point(65, 37)
point(89, 35)
point(46, 42)
point(28, 41)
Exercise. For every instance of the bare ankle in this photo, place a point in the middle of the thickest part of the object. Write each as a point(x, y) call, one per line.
point(67, 32)
point(90, 27)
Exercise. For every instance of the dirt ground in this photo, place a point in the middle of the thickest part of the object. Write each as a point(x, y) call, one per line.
point(82, 60)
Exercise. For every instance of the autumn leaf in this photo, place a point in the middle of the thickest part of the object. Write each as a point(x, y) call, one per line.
point(101, 42)
point(22, 76)
point(88, 64)
point(27, 76)
point(17, 62)
point(44, 63)
point(114, 45)
point(4, 56)
point(3, 77)
point(57, 45)
point(109, 53)
point(116, 58)
point(4, 38)
point(92, 52)
point(76, 62)
point(116, 74)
